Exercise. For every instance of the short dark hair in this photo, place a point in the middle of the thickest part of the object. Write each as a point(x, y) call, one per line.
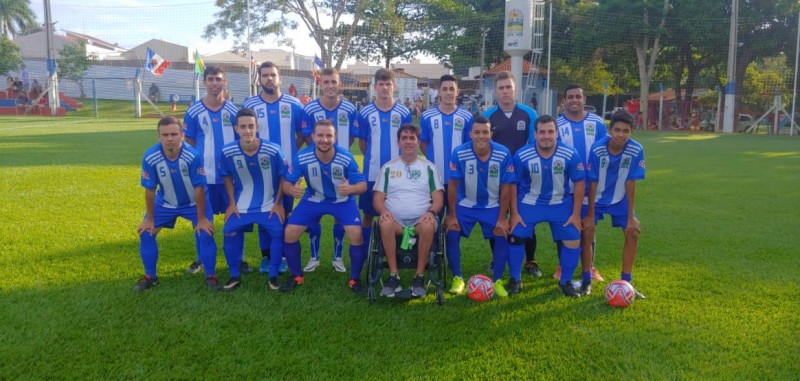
point(246, 112)
point(328, 71)
point(212, 70)
point(505, 74)
point(323, 122)
point(268, 64)
point(481, 119)
point(571, 86)
point(409, 127)
point(167, 120)
point(543, 119)
point(623, 116)
point(447, 77)
point(384, 75)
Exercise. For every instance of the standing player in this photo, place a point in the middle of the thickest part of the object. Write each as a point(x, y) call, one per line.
point(580, 129)
point(343, 116)
point(616, 162)
point(209, 126)
point(481, 174)
point(280, 121)
point(174, 186)
point(252, 169)
point(331, 173)
point(512, 126)
point(378, 124)
point(550, 189)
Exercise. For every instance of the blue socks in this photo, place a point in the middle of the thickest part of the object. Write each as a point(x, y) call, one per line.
point(569, 261)
point(501, 252)
point(233, 247)
point(453, 245)
point(207, 251)
point(357, 259)
point(626, 276)
point(292, 253)
point(148, 250)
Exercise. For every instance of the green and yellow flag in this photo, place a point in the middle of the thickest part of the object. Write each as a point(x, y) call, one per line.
point(199, 67)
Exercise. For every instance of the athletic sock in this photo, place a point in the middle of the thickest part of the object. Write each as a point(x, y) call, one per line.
point(265, 253)
point(292, 253)
point(357, 259)
point(207, 250)
point(453, 245)
point(530, 248)
point(586, 276)
point(500, 256)
point(338, 241)
point(232, 245)
point(569, 261)
point(626, 276)
point(148, 250)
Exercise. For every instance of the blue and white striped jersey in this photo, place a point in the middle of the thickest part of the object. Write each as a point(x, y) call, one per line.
point(175, 180)
point(343, 118)
point(323, 179)
point(379, 129)
point(278, 122)
point(581, 135)
point(256, 178)
point(444, 132)
point(211, 130)
point(480, 182)
point(547, 181)
point(610, 172)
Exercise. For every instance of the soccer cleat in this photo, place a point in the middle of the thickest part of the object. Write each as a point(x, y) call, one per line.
point(557, 274)
point(391, 286)
point(291, 283)
point(356, 286)
point(338, 265)
point(245, 268)
point(312, 265)
point(232, 284)
point(213, 283)
point(638, 294)
point(284, 267)
point(596, 275)
point(195, 267)
point(264, 267)
point(458, 286)
point(532, 268)
point(418, 288)
point(273, 283)
point(490, 269)
point(569, 290)
point(514, 286)
point(145, 283)
point(499, 290)
point(586, 288)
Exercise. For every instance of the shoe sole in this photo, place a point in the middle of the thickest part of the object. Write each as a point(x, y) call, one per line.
point(308, 269)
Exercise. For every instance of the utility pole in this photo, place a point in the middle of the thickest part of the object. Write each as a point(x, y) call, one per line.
point(484, 32)
point(730, 87)
point(52, 75)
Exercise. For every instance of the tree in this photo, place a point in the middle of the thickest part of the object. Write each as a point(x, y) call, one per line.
point(16, 16)
point(269, 17)
point(10, 59)
point(74, 62)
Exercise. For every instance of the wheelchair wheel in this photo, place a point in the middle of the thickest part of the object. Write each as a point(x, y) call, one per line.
point(373, 264)
point(440, 297)
point(371, 297)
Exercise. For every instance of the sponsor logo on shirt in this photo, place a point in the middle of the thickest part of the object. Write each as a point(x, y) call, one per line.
point(146, 175)
point(510, 168)
point(453, 166)
point(580, 166)
point(558, 167)
point(201, 171)
point(520, 126)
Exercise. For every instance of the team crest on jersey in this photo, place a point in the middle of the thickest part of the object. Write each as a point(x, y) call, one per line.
point(458, 124)
point(558, 167)
point(226, 119)
point(184, 169)
point(415, 174)
point(580, 166)
point(337, 173)
point(343, 119)
point(201, 171)
point(494, 170)
point(590, 128)
point(520, 126)
point(285, 111)
point(626, 162)
point(453, 166)
point(510, 168)
point(146, 175)
point(395, 121)
point(641, 164)
point(264, 162)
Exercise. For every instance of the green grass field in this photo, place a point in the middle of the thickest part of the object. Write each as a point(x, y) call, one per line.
point(717, 259)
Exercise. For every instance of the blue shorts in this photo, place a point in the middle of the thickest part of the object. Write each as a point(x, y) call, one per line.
point(618, 213)
point(218, 197)
point(468, 217)
point(244, 223)
point(365, 201)
point(308, 213)
point(166, 217)
point(288, 203)
point(555, 215)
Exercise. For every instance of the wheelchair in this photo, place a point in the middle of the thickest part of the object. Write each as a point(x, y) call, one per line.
point(436, 270)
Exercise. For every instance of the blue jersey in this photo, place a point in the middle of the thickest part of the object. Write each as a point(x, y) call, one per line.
point(255, 178)
point(176, 179)
point(379, 129)
point(582, 134)
point(480, 182)
point(211, 130)
point(547, 181)
point(323, 179)
point(278, 122)
point(610, 172)
point(515, 129)
point(343, 118)
point(443, 132)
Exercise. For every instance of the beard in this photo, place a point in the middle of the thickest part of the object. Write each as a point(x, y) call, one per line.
point(268, 90)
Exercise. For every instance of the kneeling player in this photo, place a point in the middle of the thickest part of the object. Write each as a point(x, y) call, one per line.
point(176, 171)
point(333, 178)
point(481, 174)
point(252, 169)
point(615, 164)
point(546, 171)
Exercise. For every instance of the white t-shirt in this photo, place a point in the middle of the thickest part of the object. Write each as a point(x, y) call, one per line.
point(408, 188)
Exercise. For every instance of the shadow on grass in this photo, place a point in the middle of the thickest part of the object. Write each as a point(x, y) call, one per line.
point(80, 148)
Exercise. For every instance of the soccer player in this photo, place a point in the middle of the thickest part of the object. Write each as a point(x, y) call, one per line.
point(615, 163)
point(253, 169)
point(512, 126)
point(209, 126)
point(408, 196)
point(343, 116)
point(280, 121)
point(331, 173)
point(378, 124)
point(580, 129)
point(174, 184)
point(551, 181)
point(481, 178)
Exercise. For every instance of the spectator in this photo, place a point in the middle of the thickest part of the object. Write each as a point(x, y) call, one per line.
point(153, 93)
point(292, 90)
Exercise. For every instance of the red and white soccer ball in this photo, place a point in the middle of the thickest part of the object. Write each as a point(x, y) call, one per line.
point(480, 288)
point(620, 294)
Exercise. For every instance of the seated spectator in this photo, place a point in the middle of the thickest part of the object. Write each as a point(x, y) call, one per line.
point(153, 93)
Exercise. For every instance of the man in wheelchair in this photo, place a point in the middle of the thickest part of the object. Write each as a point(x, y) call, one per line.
point(408, 196)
